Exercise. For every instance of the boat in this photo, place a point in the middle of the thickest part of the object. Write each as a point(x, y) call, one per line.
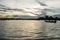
point(51, 21)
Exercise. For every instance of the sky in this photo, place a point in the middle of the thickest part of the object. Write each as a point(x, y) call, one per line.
point(20, 3)
point(30, 3)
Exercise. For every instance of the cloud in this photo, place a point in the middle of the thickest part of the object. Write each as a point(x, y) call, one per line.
point(29, 3)
point(20, 3)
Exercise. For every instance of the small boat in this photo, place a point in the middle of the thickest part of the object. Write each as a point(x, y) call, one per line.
point(51, 21)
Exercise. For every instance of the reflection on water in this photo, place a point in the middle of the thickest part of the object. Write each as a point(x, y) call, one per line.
point(28, 29)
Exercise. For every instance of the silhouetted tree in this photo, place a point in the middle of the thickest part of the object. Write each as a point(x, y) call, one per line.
point(50, 17)
point(46, 16)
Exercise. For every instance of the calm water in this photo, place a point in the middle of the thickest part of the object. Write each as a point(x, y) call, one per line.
point(28, 29)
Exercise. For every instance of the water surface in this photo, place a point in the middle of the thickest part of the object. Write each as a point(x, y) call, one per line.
point(28, 29)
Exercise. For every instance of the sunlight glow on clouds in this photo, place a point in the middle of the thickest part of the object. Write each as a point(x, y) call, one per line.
point(30, 4)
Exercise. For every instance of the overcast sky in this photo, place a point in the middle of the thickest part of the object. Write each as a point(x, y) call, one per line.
point(29, 3)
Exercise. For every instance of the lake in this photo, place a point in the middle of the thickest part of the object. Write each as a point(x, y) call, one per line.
point(28, 29)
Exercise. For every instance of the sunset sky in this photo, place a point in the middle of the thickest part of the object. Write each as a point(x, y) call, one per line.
point(30, 4)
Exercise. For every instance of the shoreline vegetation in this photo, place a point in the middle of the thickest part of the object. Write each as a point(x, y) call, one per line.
point(46, 18)
point(39, 18)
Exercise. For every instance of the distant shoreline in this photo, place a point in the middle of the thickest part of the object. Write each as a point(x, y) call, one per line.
point(29, 19)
